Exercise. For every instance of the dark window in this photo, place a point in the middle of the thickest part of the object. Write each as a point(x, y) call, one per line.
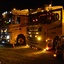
point(18, 20)
point(53, 32)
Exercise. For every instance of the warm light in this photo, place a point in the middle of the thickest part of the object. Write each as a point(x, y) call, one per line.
point(37, 33)
point(30, 35)
point(38, 8)
point(1, 30)
point(36, 19)
point(44, 50)
point(5, 30)
point(35, 48)
point(8, 40)
point(14, 9)
point(50, 5)
point(29, 32)
point(4, 14)
point(34, 12)
point(46, 40)
point(39, 52)
point(54, 55)
point(33, 20)
point(47, 48)
point(27, 46)
point(42, 10)
point(39, 38)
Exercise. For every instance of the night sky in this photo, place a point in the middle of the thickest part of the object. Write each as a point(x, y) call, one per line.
point(6, 5)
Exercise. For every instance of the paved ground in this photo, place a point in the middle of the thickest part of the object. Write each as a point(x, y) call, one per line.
point(26, 55)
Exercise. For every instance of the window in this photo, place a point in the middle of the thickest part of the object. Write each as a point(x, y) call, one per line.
point(18, 20)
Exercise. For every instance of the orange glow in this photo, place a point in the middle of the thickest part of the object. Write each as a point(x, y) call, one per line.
point(47, 39)
point(35, 48)
point(47, 48)
point(27, 46)
point(54, 55)
point(14, 8)
point(44, 50)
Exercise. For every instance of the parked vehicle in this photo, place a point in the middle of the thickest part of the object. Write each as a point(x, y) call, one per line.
point(35, 27)
point(60, 48)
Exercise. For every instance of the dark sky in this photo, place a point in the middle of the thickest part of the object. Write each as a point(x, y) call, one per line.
point(22, 4)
